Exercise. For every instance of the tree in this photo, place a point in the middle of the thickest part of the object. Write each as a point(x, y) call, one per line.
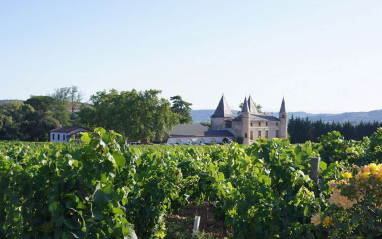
point(41, 103)
point(135, 114)
point(205, 123)
point(48, 106)
point(69, 96)
point(19, 121)
point(182, 109)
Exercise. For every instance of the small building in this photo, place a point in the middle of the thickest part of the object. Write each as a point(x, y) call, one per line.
point(246, 127)
point(63, 134)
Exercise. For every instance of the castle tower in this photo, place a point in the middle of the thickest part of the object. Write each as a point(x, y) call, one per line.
point(283, 116)
point(245, 122)
point(222, 112)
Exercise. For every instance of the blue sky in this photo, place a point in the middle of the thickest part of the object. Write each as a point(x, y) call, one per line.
point(323, 56)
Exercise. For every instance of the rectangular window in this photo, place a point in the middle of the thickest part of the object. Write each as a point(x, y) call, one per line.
point(228, 124)
point(58, 136)
point(63, 137)
point(266, 134)
point(251, 124)
point(259, 133)
point(266, 123)
point(259, 123)
point(277, 133)
point(277, 123)
point(52, 136)
point(251, 135)
point(245, 135)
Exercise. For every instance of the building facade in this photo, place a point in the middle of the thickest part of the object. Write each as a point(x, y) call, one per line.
point(63, 134)
point(247, 127)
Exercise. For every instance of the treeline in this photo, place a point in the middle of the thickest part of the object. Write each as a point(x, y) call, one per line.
point(32, 119)
point(303, 129)
point(137, 115)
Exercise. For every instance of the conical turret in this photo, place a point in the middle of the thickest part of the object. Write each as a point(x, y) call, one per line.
point(282, 108)
point(245, 122)
point(283, 116)
point(223, 110)
point(245, 106)
point(252, 105)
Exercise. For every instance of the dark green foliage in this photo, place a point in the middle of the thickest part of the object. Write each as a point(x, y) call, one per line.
point(135, 114)
point(32, 119)
point(204, 123)
point(182, 109)
point(19, 121)
point(64, 191)
point(301, 130)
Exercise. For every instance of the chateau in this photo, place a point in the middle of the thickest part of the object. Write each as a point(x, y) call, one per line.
point(225, 126)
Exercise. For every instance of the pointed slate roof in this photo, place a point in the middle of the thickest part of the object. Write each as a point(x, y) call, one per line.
point(252, 105)
point(245, 106)
point(282, 109)
point(223, 110)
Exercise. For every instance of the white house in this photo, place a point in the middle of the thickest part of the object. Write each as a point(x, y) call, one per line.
point(249, 126)
point(63, 134)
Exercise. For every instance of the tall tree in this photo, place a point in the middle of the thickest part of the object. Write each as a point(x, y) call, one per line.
point(75, 97)
point(182, 109)
point(71, 97)
point(135, 114)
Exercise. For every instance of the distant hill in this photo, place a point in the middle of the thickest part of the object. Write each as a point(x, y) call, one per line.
point(354, 117)
point(7, 101)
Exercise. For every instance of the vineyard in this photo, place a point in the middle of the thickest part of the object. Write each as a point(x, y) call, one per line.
point(104, 188)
